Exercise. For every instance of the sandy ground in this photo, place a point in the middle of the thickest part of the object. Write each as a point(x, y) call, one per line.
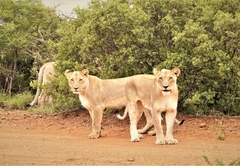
point(30, 139)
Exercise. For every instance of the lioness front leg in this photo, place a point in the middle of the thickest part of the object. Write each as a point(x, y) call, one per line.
point(170, 117)
point(158, 127)
point(96, 115)
point(134, 115)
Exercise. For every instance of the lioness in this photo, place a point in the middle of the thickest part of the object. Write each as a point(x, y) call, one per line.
point(159, 94)
point(45, 74)
point(97, 94)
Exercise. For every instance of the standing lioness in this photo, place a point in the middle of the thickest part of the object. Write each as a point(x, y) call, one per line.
point(164, 98)
point(159, 94)
point(97, 94)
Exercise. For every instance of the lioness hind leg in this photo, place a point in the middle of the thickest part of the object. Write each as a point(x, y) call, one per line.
point(149, 121)
point(152, 133)
point(41, 98)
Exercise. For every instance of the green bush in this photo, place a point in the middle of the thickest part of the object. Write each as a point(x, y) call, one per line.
point(18, 101)
point(200, 37)
point(3, 100)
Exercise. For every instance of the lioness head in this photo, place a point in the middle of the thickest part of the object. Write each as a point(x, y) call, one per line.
point(77, 80)
point(166, 79)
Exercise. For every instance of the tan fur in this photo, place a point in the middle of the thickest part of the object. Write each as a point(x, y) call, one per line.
point(97, 94)
point(144, 91)
point(45, 74)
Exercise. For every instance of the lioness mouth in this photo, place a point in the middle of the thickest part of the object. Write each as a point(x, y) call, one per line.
point(75, 92)
point(166, 91)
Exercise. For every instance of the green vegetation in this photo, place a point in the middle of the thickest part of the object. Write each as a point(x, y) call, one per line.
point(220, 162)
point(45, 110)
point(18, 101)
point(26, 27)
point(114, 40)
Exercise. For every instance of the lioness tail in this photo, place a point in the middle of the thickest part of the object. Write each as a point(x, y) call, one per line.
point(117, 113)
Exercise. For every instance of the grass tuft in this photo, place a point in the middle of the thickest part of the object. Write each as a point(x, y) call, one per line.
point(235, 162)
point(18, 101)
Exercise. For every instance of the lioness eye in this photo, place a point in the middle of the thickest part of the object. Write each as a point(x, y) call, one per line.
point(71, 79)
point(80, 79)
point(170, 78)
point(160, 78)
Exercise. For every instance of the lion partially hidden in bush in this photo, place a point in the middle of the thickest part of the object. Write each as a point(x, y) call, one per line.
point(46, 73)
point(97, 94)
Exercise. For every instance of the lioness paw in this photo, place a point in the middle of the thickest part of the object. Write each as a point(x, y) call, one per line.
point(140, 136)
point(136, 139)
point(171, 141)
point(94, 135)
point(160, 142)
point(152, 133)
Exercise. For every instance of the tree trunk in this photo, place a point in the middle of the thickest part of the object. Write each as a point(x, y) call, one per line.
point(13, 74)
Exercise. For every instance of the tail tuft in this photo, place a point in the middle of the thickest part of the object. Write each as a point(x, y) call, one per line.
point(117, 112)
point(181, 122)
point(28, 105)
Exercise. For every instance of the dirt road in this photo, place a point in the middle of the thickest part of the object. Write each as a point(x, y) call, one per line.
point(27, 139)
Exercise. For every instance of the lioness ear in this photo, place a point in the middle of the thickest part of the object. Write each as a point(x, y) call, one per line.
point(155, 71)
point(85, 72)
point(67, 73)
point(176, 71)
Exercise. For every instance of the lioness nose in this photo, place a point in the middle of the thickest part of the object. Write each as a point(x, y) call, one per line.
point(165, 87)
point(76, 89)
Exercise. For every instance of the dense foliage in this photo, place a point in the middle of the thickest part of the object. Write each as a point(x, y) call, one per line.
point(114, 39)
point(26, 26)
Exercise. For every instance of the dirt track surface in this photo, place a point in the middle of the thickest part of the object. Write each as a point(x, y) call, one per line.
point(27, 139)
